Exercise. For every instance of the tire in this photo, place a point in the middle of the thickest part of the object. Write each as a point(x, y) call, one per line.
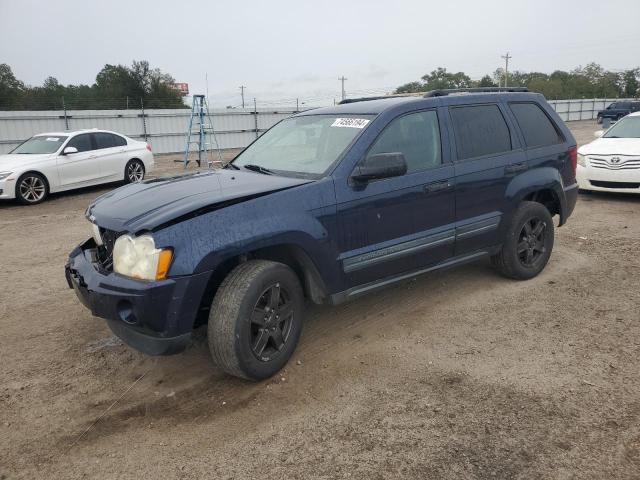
point(245, 330)
point(134, 171)
point(599, 120)
point(32, 188)
point(524, 252)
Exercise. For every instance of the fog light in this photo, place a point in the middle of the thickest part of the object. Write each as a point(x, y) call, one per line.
point(125, 312)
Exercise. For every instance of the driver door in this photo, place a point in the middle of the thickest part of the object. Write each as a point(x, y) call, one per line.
point(81, 168)
point(400, 224)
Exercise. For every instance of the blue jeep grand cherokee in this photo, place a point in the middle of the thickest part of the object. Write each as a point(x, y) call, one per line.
point(327, 205)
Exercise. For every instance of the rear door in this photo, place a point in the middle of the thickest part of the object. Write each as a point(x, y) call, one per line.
point(111, 149)
point(399, 224)
point(544, 144)
point(81, 168)
point(488, 156)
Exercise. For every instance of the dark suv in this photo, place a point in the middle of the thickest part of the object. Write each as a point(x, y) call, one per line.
point(617, 110)
point(325, 206)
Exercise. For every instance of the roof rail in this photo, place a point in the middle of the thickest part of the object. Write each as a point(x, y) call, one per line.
point(379, 97)
point(448, 91)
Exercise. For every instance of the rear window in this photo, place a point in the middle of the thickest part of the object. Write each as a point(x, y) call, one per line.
point(480, 130)
point(537, 128)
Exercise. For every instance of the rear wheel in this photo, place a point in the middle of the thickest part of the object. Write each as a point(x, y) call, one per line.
point(256, 319)
point(528, 242)
point(31, 188)
point(134, 171)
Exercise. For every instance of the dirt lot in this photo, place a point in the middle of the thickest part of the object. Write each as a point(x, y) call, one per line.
point(460, 374)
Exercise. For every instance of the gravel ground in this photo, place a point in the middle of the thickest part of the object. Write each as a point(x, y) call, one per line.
point(458, 374)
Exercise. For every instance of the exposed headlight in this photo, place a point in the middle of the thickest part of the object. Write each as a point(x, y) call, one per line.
point(582, 160)
point(138, 257)
point(4, 175)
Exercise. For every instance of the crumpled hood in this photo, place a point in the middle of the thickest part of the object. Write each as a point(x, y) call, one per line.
point(147, 205)
point(16, 160)
point(612, 146)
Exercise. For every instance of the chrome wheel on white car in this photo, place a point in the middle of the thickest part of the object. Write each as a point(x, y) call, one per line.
point(134, 171)
point(31, 188)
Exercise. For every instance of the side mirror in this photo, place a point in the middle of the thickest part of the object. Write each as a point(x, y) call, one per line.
point(598, 133)
point(69, 150)
point(381, 165)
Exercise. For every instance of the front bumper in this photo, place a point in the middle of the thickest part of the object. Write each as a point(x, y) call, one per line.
point(155, 318)
point(7, 189)
point(606, 180)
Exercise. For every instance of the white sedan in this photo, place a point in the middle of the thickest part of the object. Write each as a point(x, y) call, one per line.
point(55, 162)
point(612, 162)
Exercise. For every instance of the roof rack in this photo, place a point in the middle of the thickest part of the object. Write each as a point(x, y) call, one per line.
point(379, 97)
point(448, 91)
point(437, 93)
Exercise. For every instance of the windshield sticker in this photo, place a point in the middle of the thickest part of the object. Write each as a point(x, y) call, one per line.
point(53, 139)
point(350, 122)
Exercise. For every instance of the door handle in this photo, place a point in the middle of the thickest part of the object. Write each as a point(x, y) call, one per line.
point(516, 167)
point(437, 186)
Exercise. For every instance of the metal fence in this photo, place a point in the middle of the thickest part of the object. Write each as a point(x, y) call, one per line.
point(583, 109)
point(165, 129)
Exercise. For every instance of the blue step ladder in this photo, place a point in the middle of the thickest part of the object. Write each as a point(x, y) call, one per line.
point(200, 135)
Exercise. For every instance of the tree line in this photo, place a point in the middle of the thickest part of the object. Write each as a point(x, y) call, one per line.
point(591, 81)
point(115, 87)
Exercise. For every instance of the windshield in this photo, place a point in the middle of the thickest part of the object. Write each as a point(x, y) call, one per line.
point(627, 127)
point(302, 146)
point(41, 144)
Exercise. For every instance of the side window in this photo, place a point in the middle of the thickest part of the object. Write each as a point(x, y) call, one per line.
point(81, 142)
point(104, 140)
point(536, 127)
point(480, 130)
point(119, 141)
point(416, 136)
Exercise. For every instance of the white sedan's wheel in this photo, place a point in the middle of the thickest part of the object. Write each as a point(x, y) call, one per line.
point(31, 188)
point(134, 171)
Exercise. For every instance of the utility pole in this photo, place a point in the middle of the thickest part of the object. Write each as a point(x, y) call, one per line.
point(506, 68)
point(206, 83)
point(242, 87)
point(342, 79)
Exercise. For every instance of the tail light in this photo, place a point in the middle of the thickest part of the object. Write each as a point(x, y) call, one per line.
point(148, 147)
point(573, 158)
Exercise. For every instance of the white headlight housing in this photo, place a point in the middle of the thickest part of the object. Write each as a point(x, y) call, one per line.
point(582, 161)
point(4, 175)
point(96, 234)
point(138, 257)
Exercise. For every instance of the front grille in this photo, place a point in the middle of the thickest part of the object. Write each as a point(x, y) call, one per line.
point(618, 163)
point(105, 251)
point(598, 183)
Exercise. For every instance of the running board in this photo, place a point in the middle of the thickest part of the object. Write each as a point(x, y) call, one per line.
point(341, 297)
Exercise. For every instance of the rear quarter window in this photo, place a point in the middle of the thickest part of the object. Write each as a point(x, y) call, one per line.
point(480, 130)
point(537, 128)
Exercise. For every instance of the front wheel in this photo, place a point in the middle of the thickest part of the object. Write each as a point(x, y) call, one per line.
point(256, 319)
point(134, 171)
point(31, 188)
point(528, 243)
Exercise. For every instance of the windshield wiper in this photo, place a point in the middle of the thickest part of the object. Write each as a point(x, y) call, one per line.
point(258, 168)
point(231, 165)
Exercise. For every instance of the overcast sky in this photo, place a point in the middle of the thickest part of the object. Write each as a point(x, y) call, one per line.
point(283, 49)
